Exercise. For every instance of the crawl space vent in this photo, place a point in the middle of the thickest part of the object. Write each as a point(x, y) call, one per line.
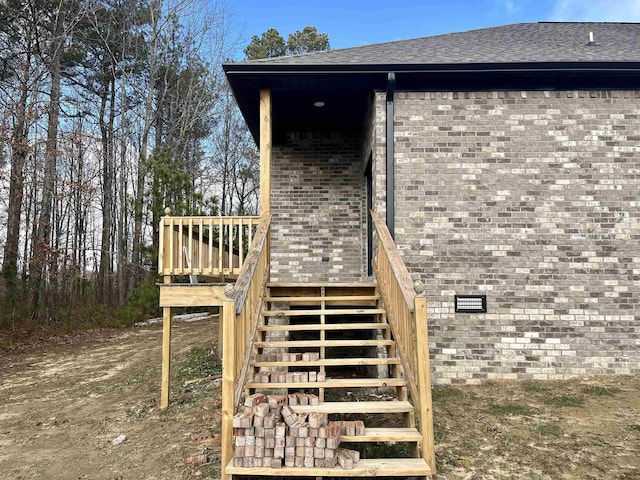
point(471, 303)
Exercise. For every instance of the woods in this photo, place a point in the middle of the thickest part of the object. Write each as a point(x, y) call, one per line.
point(110, 111)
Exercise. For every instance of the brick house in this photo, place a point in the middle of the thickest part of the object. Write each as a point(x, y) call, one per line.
point(501, 168)
point(507, 163)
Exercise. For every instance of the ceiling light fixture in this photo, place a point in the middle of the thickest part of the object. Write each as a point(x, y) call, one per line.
point(319, 104)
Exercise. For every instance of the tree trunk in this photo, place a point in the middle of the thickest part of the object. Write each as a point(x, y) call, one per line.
point(20, 149)
point(42, 257)
point(106, 130)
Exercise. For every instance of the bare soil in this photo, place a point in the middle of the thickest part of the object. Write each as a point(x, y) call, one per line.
point(63, 402)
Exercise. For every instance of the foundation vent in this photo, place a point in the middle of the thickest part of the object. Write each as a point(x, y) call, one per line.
point(471, 303)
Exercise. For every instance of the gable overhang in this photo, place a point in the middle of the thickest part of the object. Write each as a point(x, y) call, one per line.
point(346, 89)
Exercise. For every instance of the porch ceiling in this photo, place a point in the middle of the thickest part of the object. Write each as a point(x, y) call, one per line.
point(345, 98)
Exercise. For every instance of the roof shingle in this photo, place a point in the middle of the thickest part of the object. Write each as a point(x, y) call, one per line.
point(522, 42)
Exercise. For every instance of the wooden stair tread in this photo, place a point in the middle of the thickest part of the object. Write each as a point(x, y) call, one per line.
point(325, 326)
point(336, 311)
point(392, 406)
point(385, 435)
point(332, 298)
point(334, 383)
point(323, 343)
point(328, 362)
point(322, 284)
point(375, 467)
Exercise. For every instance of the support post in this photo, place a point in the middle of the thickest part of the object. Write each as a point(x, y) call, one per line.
point(424, 382)
point(166, 357)
point(390, 191)
point(228, 387)
point(265, 151)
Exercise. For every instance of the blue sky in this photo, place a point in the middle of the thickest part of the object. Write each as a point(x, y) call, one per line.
point(351, 23)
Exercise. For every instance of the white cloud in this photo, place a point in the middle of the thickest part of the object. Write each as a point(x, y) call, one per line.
point(596, 11)
point(510, 7)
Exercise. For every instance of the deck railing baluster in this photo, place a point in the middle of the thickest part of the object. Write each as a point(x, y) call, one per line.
point(204, 247)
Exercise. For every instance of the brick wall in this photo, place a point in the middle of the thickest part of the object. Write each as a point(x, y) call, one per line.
point(318, 207)
point(534, 199)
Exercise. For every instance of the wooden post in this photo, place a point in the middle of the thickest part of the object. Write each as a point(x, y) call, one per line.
point(161, 247)
point(228, 387)
point(265, 151)
point(166, 356)
point(424, 382)
point(165, 247)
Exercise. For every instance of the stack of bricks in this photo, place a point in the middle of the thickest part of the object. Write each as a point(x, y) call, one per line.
point(289, 377)
point(268, 433)
point(268, 375)
point(288, 357)
point(351, 429)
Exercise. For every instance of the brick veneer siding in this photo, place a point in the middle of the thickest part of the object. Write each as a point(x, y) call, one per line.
point(318, 207)
point(532, 198)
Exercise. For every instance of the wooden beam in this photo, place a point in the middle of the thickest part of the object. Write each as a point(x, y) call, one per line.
point(185, 295)
point(265, 152)
point(228, 376)
point(166, 357)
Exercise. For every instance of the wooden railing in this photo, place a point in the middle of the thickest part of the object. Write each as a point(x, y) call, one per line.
point(204, 245)
point(407, 315)
point(241, 313)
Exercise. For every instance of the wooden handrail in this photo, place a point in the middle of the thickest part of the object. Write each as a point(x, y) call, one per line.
point(241, 315)
point(398, 296)
point(407, 316)
point(400, 272)
point(204, 245)
point(250, 264)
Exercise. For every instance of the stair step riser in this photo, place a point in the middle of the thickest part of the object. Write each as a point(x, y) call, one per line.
point(334, 312)
point(317, 300)
point(385, 407)
point(332, 362)
point(324, 343)
point(409, 435)
point(376, 467)
point(321, 285)
point(346, 383)
point(336, 327)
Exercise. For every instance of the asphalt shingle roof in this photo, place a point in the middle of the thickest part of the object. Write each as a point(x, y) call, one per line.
point(522, 42)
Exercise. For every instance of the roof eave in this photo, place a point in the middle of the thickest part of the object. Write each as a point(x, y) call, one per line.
point(275, 69)
point(249, 77)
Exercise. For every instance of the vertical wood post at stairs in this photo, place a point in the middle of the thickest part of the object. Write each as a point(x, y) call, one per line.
point(265, 152)
point(166, 357)
point(228, 376)
point(424, 379)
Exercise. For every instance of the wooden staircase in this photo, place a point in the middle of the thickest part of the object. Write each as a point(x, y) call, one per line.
point(321, 354)
point(334, 342)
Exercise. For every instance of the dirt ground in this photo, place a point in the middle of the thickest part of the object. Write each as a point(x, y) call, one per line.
point(64, 401)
